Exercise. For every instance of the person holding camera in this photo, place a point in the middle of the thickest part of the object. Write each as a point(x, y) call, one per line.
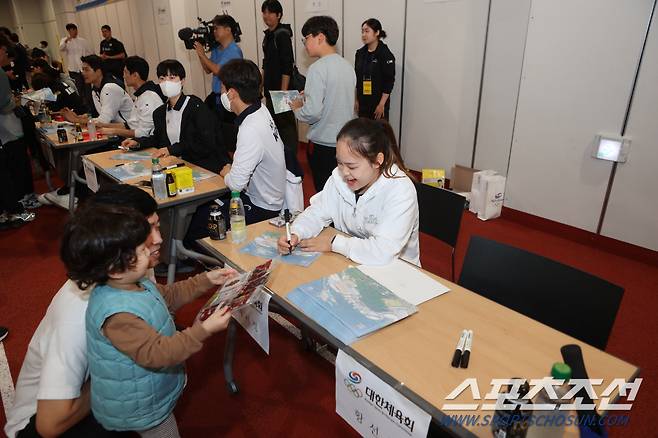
point(227, 34)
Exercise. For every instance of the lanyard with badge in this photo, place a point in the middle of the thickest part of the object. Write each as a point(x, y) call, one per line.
point(367, 75)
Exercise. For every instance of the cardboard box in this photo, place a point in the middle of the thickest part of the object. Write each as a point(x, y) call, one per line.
point(462, 178)
point(184, 179)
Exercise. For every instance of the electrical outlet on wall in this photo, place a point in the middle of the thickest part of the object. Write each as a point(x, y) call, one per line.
point(316, 5)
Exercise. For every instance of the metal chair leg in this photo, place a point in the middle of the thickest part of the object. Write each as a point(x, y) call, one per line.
point(229, 350)
point(452, 265)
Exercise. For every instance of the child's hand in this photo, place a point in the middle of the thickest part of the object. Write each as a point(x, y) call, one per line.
point(218, 321)
point(219, 276)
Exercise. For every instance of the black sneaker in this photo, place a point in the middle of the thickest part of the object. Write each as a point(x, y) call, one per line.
point(3, 333)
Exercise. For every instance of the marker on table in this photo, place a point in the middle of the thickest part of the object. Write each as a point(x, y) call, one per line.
point(456, 358)
point(123, 164)
point(467, 350)
point(173, 166)
point(286, 217)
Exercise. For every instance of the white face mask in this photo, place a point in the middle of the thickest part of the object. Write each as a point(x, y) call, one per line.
point(171, 88)
point(225, 102)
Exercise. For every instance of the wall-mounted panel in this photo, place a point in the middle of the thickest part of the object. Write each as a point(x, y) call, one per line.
point(444, 49)
point(303, 11)
point(577, 77)
point(633, 206)
point(508, 26)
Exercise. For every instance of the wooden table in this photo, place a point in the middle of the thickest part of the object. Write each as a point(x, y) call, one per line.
point(179, 208)
point(73, 149)
point(414, 355)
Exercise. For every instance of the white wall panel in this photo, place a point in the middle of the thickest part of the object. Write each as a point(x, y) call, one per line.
point(131, 17)
point(508, 27)
point(391, 14)
point(124, 25)
point(444, 51)
point(577, 77)
point(633, 205)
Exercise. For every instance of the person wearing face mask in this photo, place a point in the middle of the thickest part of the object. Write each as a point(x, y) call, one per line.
point(184, 126)
point(111, 102)
point(374, 65)
point(259, 166)
point(369, 196)
point(148, 96)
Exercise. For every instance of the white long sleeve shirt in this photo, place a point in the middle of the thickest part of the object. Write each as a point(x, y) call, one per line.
point(112, 103)
point(73, 50)
point(328, 98)
point(141, 117)
point(259, 162)
point(382, 225)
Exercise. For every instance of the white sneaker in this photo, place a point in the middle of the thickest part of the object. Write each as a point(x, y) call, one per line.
point(43, 200)
point(60, 200)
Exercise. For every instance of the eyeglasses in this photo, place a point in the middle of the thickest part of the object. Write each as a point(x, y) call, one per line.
point(304, 39)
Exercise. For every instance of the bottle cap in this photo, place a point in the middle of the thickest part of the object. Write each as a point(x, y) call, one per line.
point(561, 371)
point(155, 161)
point(235, 194)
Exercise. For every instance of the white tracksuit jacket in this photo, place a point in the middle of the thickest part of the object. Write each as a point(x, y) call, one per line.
point(383, 224)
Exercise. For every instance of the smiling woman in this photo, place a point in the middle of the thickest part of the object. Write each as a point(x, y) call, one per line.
point(368, 196)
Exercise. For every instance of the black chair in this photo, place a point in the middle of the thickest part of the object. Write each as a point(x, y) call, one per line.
point(571, 301)
point(441, 213)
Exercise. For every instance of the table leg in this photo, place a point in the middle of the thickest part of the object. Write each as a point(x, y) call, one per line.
point(73, 155)
point(171, 269)
point(229, 350)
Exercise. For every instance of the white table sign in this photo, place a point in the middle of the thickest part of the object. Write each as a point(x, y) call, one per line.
point(254, 318)
point(90, 175)
point(372, 407)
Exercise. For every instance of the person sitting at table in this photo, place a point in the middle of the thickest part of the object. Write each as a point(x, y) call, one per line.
point(111, 102)
point(184, 127)
point(42, 66)
point(369, 197)
point(67, 97)
point(148, 96)
point(259, 166)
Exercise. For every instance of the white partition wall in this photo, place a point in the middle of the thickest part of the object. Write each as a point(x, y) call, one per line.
point(391, 15)
point(632, 214)
point(577, 77)
point(508, 26)
point(303, 11)
point(443, 64)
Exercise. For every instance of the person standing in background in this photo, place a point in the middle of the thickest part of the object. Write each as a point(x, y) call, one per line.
point(20, 64)
point(112, 53)
point(43, 45)
point(374, 65)
point(278, 62)
point(73, 48)
point(328, 101)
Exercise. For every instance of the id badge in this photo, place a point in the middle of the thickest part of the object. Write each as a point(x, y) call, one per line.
point(367, 88)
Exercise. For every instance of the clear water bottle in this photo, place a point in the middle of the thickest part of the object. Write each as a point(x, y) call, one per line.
point(552, 423)
point(515, 421)
point(158, 180)
point(91, 129)
point(236, 215)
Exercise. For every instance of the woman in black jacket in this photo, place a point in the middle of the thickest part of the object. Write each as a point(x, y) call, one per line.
point(375, 72)
point(184, 126)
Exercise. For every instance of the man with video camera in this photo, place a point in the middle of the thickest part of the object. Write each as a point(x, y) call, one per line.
point(227, 33)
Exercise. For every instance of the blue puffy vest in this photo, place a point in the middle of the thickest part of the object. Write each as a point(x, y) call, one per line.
point(124, 395)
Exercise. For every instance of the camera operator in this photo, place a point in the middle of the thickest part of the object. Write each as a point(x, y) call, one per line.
point(227, 33)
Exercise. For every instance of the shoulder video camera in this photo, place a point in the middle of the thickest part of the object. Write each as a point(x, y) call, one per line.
point(202, 34)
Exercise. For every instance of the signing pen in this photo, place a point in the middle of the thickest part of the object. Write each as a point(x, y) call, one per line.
point(467, 350)
point(123, 164)
point(173, 166)
point(459, 349)
point(286, 217)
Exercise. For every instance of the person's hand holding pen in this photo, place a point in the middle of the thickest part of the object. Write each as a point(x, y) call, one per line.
point(128, 144)
point(286, 248)
point(295, 104)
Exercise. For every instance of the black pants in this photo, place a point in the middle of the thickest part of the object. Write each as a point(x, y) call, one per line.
point(86, 428)
point(322, 160)
point(84, 90)
point(15, 175)
point(286, 124)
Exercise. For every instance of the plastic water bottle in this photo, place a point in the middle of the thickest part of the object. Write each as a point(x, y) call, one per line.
point(158, 180)
point(551, 423)
point(513, 422)
point(236, 215)
point(91, 129)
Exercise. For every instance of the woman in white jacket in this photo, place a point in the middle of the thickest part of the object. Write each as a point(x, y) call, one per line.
point(369, 197)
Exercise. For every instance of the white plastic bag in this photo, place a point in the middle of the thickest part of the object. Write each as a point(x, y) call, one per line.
point(477, 197)
point(493, 194)
point(294, 196)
